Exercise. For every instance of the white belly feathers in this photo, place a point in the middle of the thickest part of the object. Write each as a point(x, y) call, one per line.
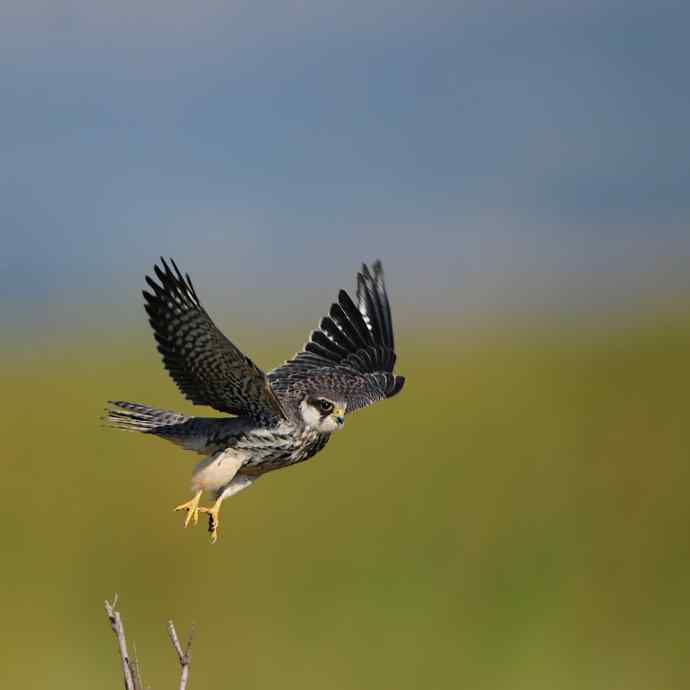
point(214, 472)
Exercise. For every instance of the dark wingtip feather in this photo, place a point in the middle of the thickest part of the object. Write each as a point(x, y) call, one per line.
point(398, 383)
point(159, 274)
point(355, 318)
point(373, 299)
point(191, 287)
point(165, 271)
point(153, 285)
point(380, 288)
point(177, 270)
point(370, 302)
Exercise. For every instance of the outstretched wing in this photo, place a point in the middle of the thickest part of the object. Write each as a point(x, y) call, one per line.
point(352, 351)
point(207, 368)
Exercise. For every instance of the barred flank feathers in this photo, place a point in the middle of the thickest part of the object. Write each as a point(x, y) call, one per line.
point(135, 417)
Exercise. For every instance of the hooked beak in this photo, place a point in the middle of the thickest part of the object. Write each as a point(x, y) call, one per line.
point(339, 415)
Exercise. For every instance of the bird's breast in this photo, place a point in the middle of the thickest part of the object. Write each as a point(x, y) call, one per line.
point(271, 449)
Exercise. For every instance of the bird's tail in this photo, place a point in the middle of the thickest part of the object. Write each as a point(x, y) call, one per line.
point(135, 417)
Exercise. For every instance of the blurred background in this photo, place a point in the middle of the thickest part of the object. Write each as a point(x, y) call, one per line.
point(518, 517)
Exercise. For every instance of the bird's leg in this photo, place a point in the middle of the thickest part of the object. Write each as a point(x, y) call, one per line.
point(213, 519)
point(192, 508)
point(239, 482)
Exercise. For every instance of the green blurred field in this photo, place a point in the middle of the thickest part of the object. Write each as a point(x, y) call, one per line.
point(517, 518)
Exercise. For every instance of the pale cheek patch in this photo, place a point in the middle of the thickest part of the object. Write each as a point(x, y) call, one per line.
point(310, 415)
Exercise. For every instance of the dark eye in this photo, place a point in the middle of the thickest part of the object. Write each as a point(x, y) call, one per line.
point(325, 405)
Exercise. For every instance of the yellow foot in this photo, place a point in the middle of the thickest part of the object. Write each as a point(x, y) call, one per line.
point(213, 520)
point(192, 508)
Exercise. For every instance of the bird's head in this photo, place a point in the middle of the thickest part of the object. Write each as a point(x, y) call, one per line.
point(323, 413)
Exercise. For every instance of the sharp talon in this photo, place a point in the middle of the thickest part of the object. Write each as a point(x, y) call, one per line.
point(192, 508)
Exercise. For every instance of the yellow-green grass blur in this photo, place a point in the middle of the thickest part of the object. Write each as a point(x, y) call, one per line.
point(519, 517)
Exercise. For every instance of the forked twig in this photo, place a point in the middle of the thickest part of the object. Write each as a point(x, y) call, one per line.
point(184, 657)
point(130, 668)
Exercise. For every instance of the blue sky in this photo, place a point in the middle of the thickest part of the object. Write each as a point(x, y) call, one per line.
point(492, 153)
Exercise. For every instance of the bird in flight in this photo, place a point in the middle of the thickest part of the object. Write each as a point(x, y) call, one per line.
point(279, 418)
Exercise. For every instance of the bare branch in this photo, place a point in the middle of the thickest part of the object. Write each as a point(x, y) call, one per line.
point(130, 667)
point(128, 670)
point(184, 657)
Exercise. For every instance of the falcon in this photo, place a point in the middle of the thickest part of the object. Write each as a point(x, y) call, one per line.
point(279, 418)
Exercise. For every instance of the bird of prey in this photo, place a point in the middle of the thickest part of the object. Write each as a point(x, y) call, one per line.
point(279, 418)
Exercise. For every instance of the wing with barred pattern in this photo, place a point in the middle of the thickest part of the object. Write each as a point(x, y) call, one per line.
point(207, 368)
point(352, 351)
